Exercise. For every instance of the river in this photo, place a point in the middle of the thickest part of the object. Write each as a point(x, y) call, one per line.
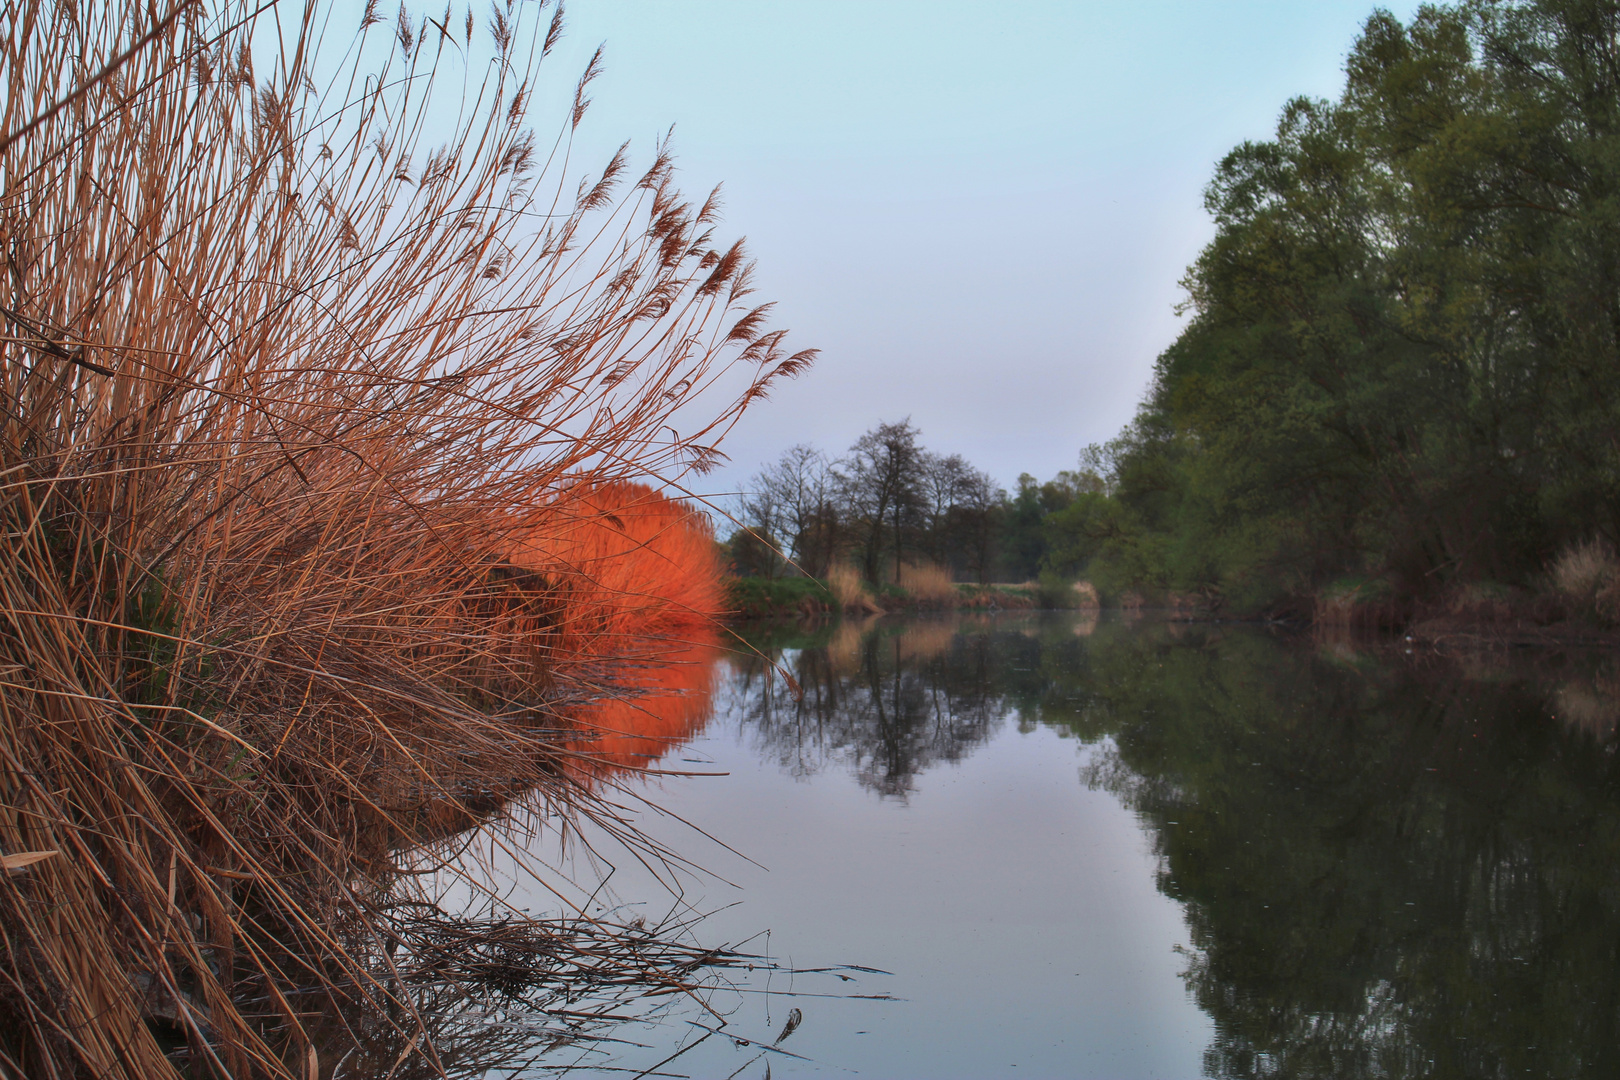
point(1072, 847)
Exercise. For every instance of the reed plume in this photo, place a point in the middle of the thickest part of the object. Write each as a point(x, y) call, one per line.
point(295, 360)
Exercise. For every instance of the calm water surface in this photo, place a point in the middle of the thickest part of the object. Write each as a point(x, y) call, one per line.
point(1085, 849)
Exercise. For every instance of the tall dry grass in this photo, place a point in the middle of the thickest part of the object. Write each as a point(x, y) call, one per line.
point(616, 561)
point(293, 367)
point(849, 592)
point(928, 584)
point(1588, 575)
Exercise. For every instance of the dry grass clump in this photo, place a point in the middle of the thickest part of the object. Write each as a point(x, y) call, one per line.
point(295, 374)
point(1086, 596)
point(928, 584)
point(1581, 570)
point(849, 591)
point(1588, 575)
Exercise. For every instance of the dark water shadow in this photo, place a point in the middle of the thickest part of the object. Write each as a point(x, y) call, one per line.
point(1392, 864)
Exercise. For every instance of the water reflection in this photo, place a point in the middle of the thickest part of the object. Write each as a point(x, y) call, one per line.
point(660, 696)
point(1390, 864)
point(887, 701)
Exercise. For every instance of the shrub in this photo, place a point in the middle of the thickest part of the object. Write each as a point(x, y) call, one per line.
point(753, 554)
point(763, 598)
point(1053, 592)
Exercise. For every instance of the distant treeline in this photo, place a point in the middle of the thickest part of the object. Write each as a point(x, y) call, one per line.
point(890, 502)
point(1402, 364)
point(1400, 376)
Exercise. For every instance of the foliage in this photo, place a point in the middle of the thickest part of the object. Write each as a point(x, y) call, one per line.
point(752, 553)
point(1025, 544)
point(1402, 359)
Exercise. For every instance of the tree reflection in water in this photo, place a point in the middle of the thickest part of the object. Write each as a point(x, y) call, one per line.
point(885, 701)
point(1391, 865)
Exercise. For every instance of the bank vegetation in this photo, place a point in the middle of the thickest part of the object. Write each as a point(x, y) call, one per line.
point(1396, 397)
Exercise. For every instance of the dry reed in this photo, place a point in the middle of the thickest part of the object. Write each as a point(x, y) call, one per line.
point(1582, 569)
point(928, 584)
point(294, 375)
point(849, 592)
point(1588, 575)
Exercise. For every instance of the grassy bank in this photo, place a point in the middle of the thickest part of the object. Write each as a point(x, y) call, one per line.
point(777, 598)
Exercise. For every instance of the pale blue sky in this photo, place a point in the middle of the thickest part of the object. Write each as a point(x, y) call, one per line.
point(979, 212)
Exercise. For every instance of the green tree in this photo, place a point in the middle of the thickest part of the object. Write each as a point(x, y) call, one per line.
point(1401, 357)
point(1024, 541)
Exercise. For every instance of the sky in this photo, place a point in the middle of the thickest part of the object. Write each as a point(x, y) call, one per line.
point(980, 213)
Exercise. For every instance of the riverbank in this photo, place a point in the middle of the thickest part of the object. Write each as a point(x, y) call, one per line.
point(1470, 617)
point(1475, 616)
point(806, 597)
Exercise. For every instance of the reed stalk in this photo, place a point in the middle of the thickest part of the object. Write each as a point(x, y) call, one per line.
point(293, 367)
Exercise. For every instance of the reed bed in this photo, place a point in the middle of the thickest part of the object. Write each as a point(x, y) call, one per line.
point(302, 375)
point(849, 591)
point(928, 583)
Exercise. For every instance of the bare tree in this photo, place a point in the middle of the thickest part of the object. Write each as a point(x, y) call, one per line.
point(761, 515)
point(882, 483)
point(943, 480)
point(791, 502)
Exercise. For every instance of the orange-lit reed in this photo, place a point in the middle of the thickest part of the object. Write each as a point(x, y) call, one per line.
point(293, 368)
point(620, 559)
